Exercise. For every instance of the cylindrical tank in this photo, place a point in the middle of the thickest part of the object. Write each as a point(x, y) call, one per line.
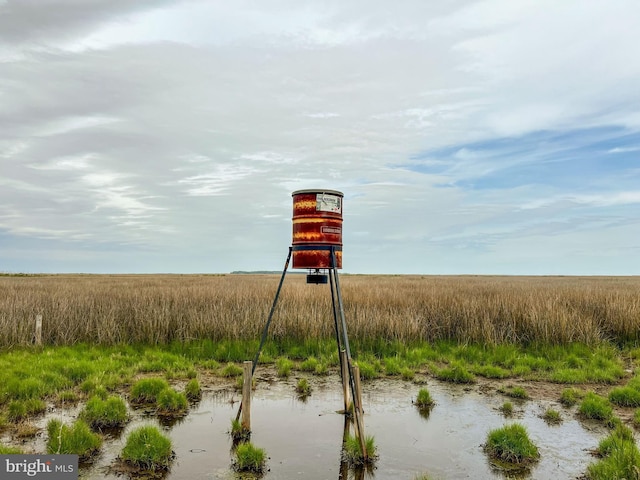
point(317, 228)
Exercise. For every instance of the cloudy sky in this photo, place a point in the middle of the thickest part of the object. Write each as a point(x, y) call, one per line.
point(474, 137)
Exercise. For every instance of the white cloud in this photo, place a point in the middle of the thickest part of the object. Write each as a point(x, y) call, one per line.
point(121, 119)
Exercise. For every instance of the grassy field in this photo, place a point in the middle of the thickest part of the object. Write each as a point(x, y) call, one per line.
point(105, 335)
point(161, 309)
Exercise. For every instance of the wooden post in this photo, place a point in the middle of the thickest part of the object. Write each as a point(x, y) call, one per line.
point(246, 396)
point(357, 409)
point(345, 382)
point(39, 330)
point(344, 465)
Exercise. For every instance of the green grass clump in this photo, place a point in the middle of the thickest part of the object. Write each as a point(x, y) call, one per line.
point(407, 373)
point(238, 432)
point(303, 388)
point(147, 390)
point(570, 396)
point(636, 418)
point(552, 416)
point(595, 407)
point(621, 457)
point(250, 458)
point(368, 371)
point(170, 402)
point(625, 396)
point(77, 439)
point(392, 367)
point(423, 476)
point(309, 365)
point(322, 368)
point(608, 444)
point(491, 371)
point(105, 413)
point(24, 388)
point(231, 370)
point(67, 396)
point(455, 374)
point(511, 444)
point(507, 409)
point(515, 392)
point(148, 449)
point(424, 400)
point(18, 410)
point(7, 450)
point(192, 390)
point(353, 455)
point(283, 367)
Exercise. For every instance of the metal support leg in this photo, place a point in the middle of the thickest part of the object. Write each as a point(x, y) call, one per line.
point(336, 325)
point(265, 331)
point(357, 407)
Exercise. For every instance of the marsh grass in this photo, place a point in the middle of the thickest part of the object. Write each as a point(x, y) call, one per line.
point(369, 370)
point(146, 390)
point(102, 413)
point(171, 403)
point(249, 458)
point(595, 407)
point(456, 373)
point(620, 457)
point(24, 430)
point(393, 366)
point(571, 396)
point(321, 369)
point(69, 397)
point(192, 390)
point(303, 388)
point(147, 448)
point(627, 396)
point(76, 439)
point(511, 444)
point(238, 433)
point(423, 476)
point(507, 409)
point(162, 309)
point(283, 367)
point(636, 418)
point(407, 373)
point(424, 400)
point(491, 371)
point(353, 455)
point(231, 370)
point(552, 416)
point(8, 450)
point(515, 392)
point(19, 410)
point(309, 365)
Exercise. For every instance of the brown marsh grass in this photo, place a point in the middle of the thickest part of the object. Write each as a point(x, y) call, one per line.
point(158, 309)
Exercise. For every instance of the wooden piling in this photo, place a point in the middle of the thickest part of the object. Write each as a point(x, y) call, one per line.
point(348, 403)
point(246, 396)
point(358, 411)
point(38, 330)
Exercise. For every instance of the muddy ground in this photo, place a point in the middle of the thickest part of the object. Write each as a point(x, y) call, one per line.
point(303, 438)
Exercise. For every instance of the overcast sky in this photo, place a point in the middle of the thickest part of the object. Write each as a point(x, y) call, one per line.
point(471, 137)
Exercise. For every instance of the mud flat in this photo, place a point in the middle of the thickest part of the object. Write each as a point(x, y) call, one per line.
point(303, 438)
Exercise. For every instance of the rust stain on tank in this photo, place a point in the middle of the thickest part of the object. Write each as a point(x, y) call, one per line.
point(317, 225)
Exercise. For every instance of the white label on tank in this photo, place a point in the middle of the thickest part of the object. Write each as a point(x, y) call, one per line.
point(326, 202)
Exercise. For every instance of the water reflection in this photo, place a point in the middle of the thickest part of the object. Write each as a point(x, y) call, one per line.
point(346, 471)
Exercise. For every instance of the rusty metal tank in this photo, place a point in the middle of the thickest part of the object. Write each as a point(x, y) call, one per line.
point(317, 228)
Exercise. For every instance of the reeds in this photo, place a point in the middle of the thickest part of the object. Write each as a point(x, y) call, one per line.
point(160, 309)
